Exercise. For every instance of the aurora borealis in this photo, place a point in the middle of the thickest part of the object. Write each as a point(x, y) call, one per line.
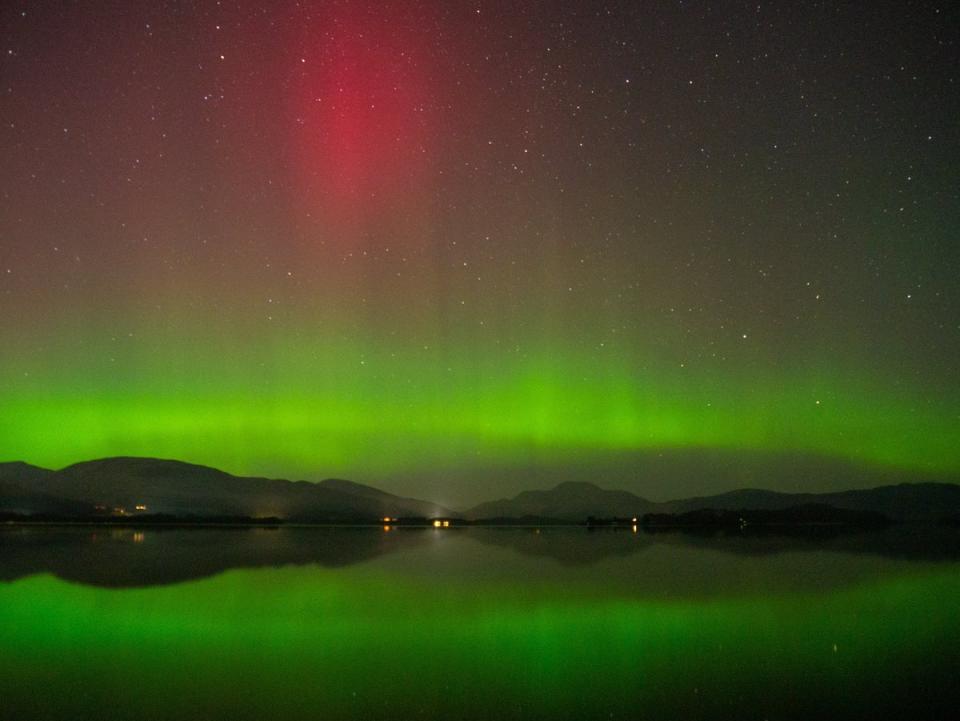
point(442, 247)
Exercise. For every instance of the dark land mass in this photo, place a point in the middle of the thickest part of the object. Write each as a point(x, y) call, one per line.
point(811, 514)
point(664, 474)
point(130, 489)
point(901, 502)
point(570, 501)
point(184, 490)
point(928, 502)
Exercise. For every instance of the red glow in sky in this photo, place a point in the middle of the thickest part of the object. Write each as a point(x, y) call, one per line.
point(362, 97)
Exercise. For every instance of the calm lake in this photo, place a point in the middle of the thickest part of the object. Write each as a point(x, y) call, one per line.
point(480, 623)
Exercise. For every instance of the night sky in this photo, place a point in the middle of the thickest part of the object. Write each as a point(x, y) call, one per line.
point(456, 250)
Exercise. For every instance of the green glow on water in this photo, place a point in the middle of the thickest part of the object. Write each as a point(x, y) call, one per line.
point(367, 642)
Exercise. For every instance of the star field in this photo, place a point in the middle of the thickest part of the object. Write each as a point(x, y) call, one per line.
point(448, 247)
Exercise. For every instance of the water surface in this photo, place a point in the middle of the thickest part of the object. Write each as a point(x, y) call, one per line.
point(477, 623)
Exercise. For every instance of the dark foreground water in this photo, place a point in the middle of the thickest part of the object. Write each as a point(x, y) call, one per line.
point(475, 624)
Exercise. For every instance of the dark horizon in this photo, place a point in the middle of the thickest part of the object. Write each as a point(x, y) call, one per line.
point(652, 475)
point(169, 490)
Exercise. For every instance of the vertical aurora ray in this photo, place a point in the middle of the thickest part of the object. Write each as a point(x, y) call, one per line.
point(405, 413)
point(389, 241)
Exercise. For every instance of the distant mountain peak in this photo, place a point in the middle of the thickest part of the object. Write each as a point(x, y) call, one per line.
point(181, 488)
point(577, 486)
point(142, 464)
point(569, 500)
point(575, 501)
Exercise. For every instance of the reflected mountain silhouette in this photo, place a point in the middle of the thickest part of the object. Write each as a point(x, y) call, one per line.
point(908, 542)
point(903, 542)
point(568, 546)
point(131, 557)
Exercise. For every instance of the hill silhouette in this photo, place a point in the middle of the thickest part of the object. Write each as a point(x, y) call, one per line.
point(181, 489)
point(572, 500)
point(576, 501)
point(176, 488)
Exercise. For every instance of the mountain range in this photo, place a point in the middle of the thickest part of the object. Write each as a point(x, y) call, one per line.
point(577, 500)
point(182, 489)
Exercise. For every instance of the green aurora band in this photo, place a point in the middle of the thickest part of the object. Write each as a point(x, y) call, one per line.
point(535, 242)
point(318, 410)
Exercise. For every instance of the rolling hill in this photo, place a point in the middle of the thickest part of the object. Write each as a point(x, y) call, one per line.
point(182, 489)
point(177, 488)
point(576, 501)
